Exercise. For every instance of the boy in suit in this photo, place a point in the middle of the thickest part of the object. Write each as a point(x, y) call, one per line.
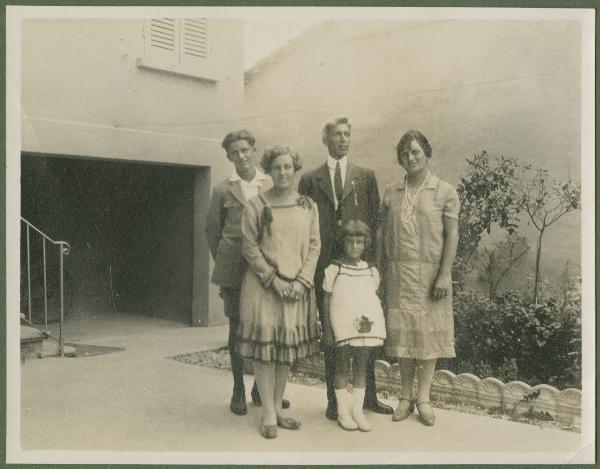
point(224, 235)
point(342, 192)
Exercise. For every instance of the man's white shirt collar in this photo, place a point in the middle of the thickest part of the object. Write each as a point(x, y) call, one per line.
point(331, 162)
point(258, 176)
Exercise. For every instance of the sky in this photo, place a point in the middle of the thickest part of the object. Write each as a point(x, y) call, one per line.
point(263, 36)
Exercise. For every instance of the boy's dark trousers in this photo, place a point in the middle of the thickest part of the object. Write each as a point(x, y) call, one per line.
point(231, 303)
point(237, 363)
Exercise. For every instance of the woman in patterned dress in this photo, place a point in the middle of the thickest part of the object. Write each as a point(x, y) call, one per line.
point(417, 242)
point(278, 318)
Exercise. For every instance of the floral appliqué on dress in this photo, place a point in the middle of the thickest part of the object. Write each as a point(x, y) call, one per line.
point(363, 324)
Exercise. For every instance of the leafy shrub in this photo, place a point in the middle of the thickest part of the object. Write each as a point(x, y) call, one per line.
point(508, 371)
point(511, 337)
point(487, 197)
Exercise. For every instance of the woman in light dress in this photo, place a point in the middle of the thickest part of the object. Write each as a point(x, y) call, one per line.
point(417, 241)
point(278, 316)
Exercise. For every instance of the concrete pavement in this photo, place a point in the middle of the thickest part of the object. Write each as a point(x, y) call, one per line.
point(140, 400)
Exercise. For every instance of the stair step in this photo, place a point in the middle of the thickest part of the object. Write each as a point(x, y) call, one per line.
point(31, 334)
point(31, 343)
point(35, 344)
point(50, 349)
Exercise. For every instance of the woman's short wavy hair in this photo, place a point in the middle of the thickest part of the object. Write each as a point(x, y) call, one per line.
point(404, 144)
point(354, 228)
point(273, 152)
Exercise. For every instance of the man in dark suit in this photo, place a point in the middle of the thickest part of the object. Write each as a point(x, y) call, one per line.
point(342, 192)
point(224, 235)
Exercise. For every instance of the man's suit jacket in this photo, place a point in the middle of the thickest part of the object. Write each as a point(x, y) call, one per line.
point(224, 234)
point(360, 201)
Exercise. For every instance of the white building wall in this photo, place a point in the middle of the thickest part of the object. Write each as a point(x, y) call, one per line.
point(509, 87)
point(84, 95)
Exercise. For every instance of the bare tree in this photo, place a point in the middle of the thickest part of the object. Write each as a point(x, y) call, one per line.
point(545, 200)
point(568, 286)
point(497, 262)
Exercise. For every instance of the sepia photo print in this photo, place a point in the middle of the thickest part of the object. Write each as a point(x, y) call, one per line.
point(300, 235)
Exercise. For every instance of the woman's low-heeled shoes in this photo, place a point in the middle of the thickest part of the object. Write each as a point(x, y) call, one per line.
point(268, 431)
point(426, 416)
point(404, 413)
point(288, 423)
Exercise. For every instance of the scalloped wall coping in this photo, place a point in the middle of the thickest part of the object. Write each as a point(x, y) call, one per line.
point(490, 393)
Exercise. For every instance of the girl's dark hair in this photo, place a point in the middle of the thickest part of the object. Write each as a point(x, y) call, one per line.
point(404, 143)
point(355, 228)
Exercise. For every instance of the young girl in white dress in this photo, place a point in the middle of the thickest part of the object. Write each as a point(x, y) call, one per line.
point(354, 321)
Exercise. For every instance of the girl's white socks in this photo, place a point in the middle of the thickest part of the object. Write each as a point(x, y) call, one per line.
point(357, 410)
point(344, 418)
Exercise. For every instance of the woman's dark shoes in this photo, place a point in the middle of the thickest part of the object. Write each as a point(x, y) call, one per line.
point(285, 404)
point(238, 404)
point(288, 423)
point(404, 410)
point(331, 413)
point(426, 414)
point(378, 407)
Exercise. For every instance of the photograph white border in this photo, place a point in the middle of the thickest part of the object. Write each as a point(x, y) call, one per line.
point(16, 14)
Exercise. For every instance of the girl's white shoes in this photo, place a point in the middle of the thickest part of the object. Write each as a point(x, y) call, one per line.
point(346, 422)
point(356, 420)
point(361, 421)
point(344, 418)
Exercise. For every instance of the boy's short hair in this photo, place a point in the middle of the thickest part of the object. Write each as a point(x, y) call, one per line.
point(355, 228)
point(237, 135)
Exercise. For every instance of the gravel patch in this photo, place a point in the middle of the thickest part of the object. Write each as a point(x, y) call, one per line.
point(219, 359)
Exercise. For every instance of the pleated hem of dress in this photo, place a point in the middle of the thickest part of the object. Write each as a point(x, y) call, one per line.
point(277, 344)
point(350, 339)
point(407, 352)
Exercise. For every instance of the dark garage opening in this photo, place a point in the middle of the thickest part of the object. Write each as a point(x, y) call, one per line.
point(130, 227)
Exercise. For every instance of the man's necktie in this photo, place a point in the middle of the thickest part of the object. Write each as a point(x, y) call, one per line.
point(337, 183)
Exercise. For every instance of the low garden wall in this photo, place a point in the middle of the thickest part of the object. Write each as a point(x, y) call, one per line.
point(514, 397)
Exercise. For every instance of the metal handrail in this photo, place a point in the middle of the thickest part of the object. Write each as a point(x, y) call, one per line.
point(64, 249)
point(66, 246)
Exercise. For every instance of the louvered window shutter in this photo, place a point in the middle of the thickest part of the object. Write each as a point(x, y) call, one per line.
point(163, 40)
point(179, 45)
point(194, 42)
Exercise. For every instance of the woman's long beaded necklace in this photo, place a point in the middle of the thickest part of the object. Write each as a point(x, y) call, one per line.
point(410, 205)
